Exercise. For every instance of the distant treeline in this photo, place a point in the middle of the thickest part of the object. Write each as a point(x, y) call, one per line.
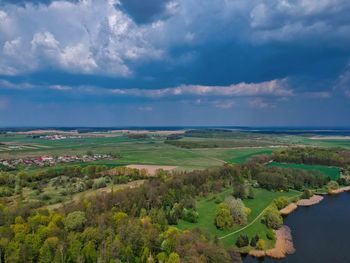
point(320, 156)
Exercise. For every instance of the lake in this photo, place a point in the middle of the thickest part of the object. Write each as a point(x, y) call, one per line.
point(321, 233)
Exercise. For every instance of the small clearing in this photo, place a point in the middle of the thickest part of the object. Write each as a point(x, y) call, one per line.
point(152, 169)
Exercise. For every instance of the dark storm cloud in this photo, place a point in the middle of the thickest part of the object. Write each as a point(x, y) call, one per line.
point(112, 51)
point(145, 11)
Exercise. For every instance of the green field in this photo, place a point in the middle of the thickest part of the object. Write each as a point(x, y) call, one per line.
point(132, 151)
point(207, 209)
point(332, 172)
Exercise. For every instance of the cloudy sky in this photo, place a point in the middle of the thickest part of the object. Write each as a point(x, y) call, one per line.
point(174, 62)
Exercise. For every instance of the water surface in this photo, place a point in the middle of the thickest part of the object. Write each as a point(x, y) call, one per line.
point(321, 233)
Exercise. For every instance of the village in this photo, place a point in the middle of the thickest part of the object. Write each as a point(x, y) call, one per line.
point(53, 160)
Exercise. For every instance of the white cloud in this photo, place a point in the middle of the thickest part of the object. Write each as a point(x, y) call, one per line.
point(96, 36)
point(60, 88)
point(260, 103)
point(318, 94)
point(224, 104)
point(88, 36)
point(3, 16)
point(275, 88)
point(145, 108)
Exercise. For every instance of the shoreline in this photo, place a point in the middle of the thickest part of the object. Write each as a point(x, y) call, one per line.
point(284, 245)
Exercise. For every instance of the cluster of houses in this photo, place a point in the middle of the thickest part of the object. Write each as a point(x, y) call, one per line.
point(51, 161)
point(56, 137)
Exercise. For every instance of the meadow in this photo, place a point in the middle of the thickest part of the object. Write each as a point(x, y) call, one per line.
point(206, 208)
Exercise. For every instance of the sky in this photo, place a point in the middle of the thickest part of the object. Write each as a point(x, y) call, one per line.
point(174, 63)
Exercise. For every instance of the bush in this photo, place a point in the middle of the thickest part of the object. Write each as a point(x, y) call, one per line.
point(307, 194)
point(260, 244)
point(223, 218)
point(273, 218)
point(5, 191)
point(242, 241)
point(270, 234)
point(254, 240)
point(99, 183)
point(190, 215)
point(332, 185)
point(75, 221)
point(281, 202)
point(251, 194)
point(237, 210)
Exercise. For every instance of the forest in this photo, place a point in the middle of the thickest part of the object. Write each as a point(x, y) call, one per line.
point(140, 224)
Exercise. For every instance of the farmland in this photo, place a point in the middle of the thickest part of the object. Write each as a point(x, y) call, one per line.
point(203, 170)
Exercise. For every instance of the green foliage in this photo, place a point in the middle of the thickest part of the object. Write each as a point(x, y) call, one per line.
point(190, 215)
point(254, 240)
point(223, 218)
point(307, 193)
point(75, 221)
point(332, 185)
point(237, 210)
point(270, 234)
point(174, 258)
point(242, 241)
point(273, 218)
point(281, 202)
point(261, 244)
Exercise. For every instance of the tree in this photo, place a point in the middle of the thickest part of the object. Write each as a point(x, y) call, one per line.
point(260, 244)
point(254, 240)
point(173, 258)
point(307, 194)
point(90, 253)
point(281, 202)
point(190, 215)
point(332, 185)
point(242, 241)
point(273, 218)
point(240, 190)
point(223, 218)
point(75, 221)
point(237, 210)
point(47, 251)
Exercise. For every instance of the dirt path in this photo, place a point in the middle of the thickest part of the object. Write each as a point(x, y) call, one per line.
point(251, 223)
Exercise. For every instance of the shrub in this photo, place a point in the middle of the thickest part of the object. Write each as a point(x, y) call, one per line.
point(5, 191)
point(251, 194)
point(307, 194)
point(273, 218)
point(332, 185)
point(75, 221)
point(190, 215)
point(237, 210)
point(281, 202)
point(254, 240)
point(223, 218)
point(99, 183)
point(270, 234)
point(242, 241)
point(260, 244)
